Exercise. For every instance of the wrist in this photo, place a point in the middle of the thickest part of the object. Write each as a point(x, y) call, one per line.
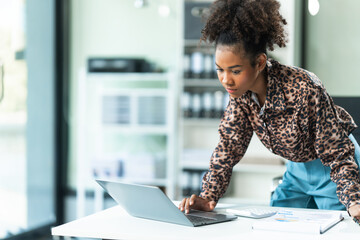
point(354, 210)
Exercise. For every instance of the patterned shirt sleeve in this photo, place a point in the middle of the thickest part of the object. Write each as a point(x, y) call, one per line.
point(235, 134)
point(334, 147)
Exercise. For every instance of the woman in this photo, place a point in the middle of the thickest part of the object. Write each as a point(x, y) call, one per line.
point(287, 107)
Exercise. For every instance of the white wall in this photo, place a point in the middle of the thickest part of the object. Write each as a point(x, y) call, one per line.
point(117, 28)
point(333, 51)
point(287, 55)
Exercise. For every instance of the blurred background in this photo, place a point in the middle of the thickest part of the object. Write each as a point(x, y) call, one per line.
point(123, 90)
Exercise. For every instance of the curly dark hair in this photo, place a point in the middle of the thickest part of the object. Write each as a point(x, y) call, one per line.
point(256, 24)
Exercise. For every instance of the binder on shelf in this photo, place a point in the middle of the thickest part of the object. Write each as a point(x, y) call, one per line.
point(196, 182)
point(197, 64)
point(125, 166)
point(208, 105)
point(214, 67)
point(186, 183)
point(186, 104)
point(219, 104)
point(208, 66)
point(196, 105)
point(191, 182)
point(149, 110)
point(116, 109)
point(187, 66)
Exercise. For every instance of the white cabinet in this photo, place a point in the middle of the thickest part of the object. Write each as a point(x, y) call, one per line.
point(127, 131)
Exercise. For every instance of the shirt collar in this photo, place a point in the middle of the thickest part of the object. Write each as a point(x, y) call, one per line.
point(275, 98)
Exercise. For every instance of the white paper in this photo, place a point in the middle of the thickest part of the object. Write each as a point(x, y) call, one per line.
point(299, 221)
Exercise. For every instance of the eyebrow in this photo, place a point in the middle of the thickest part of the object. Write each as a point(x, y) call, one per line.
point(235, 66)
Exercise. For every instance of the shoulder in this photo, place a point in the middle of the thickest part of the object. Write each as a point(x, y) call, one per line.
point(295, 82)
point(294, 76)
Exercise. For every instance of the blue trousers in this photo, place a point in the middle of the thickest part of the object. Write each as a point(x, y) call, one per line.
point(308, 185)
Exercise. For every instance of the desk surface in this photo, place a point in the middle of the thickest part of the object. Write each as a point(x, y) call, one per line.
point(115, 223)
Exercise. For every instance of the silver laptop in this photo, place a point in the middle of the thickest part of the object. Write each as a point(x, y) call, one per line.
point(151, 203)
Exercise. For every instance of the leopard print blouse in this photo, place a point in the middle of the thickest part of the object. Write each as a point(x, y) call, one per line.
point(299, 122)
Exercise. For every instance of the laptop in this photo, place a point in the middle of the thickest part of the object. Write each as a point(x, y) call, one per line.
point(151, 203)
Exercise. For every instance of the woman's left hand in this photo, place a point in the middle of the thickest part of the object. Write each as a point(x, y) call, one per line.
point(355, 212)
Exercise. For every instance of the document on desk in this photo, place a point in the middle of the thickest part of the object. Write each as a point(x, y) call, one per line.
point(316, 222)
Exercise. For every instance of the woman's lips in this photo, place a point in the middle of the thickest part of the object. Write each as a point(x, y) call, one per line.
point(230, 90)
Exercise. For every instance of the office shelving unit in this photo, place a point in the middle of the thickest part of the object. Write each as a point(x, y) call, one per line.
point(130, 131)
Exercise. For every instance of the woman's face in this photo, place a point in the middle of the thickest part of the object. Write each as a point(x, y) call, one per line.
point(234, 70)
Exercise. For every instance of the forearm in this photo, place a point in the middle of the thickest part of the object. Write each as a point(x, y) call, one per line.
point(214, 185)
point(346, 176)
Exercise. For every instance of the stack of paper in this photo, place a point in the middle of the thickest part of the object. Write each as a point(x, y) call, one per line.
point(299, 221)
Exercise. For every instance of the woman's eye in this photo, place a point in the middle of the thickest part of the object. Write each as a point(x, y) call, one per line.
point(236, 72)
point(219, 70)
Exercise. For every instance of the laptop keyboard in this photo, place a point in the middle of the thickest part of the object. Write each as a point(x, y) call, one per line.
point(200, 220)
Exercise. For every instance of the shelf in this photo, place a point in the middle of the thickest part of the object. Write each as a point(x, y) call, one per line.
point(195, 165)
point(202, 122)
point(136, 91)
point(116, 106)
point(190, 82)
point(163, 77)
point(136, 129)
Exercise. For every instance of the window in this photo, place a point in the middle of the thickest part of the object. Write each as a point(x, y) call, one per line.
point(27, 126)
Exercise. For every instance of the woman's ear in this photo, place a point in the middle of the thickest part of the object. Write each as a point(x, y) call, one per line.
point(261, 61)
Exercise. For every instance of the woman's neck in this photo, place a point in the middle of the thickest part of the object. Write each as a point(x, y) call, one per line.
point(261, 86)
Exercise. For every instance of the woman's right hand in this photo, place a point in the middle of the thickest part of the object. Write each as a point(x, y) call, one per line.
point(197, 203)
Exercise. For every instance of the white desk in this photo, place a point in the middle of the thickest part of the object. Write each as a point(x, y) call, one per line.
point(115, 223)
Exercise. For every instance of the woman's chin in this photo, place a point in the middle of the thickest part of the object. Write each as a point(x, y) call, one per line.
point(236, 95)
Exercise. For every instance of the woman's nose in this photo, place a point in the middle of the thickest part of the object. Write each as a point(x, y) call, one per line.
point(226, 79)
